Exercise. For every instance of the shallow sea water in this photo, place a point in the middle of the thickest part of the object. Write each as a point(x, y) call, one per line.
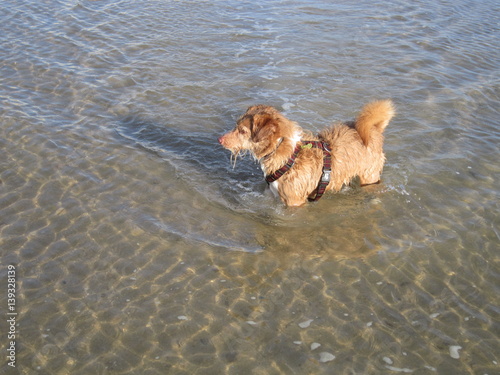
point(140, 250)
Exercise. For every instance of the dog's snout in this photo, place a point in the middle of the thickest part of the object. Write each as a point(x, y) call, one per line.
point(221, 139)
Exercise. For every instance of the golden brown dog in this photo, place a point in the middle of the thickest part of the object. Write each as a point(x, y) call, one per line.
point(355, 148)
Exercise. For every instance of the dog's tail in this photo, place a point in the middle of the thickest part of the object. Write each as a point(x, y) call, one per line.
point(374, 118)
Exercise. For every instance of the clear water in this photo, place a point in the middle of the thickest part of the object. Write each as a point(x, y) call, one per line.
point(140, 250)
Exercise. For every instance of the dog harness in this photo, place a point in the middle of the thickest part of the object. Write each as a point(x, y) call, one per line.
point(327, 166)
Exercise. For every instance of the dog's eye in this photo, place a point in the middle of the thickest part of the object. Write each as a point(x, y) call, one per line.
point(242, 130)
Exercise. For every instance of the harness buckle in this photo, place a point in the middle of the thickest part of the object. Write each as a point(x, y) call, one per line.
point(325, 177)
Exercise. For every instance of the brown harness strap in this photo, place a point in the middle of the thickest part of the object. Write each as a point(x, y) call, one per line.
point(327, 167)
point(288, 165)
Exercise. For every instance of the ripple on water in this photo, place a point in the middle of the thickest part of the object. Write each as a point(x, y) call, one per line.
point(139, 248)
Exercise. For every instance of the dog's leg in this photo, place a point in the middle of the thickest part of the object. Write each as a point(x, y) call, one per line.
point(295, 202)
point(292, 200)
point(371, 179)
point(372, 183)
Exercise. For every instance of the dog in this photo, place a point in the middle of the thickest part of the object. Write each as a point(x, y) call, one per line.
point(300, 166)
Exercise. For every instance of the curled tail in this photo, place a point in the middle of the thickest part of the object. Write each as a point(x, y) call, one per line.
point(373, 119)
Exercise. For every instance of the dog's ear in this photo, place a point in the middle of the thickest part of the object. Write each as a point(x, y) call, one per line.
point(263, 126)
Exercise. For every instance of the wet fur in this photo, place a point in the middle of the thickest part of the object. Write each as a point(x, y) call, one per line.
point(356, 147)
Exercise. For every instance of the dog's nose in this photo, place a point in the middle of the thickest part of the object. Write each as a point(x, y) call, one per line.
point(221, 139)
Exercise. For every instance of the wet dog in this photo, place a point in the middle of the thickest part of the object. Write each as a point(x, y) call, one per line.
point(300, 166)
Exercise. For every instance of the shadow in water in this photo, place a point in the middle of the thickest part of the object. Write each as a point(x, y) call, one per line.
point(197, 158)
point(333, 227)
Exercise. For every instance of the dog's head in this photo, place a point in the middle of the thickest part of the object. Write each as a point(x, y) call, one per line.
point(260, 130)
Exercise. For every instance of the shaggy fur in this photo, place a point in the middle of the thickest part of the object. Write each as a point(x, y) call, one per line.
point(356, 149)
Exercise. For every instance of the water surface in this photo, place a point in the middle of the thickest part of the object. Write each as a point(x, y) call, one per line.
point(139, 249)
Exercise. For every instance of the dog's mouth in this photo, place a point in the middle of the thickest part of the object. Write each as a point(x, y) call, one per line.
point(236, 152)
